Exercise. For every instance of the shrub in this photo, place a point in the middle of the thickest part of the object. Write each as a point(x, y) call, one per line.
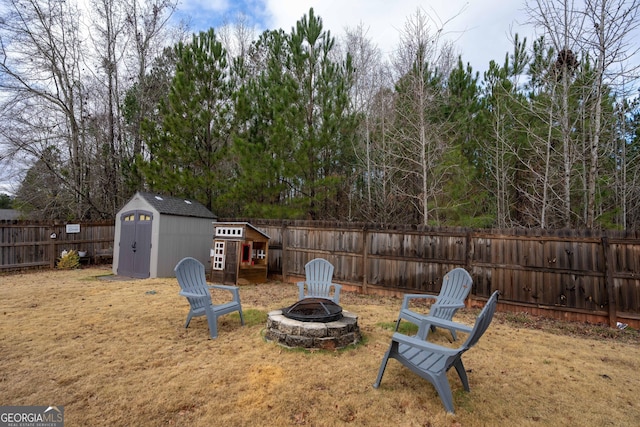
point(69, 261)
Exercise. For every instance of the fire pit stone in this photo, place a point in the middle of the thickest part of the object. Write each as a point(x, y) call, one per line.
point(295, 333)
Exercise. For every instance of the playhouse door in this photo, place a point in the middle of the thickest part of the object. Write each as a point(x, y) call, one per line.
point(231, 263)
point(135, 244)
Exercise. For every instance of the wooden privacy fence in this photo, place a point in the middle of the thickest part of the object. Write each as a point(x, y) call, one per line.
point(568, 274)
point(578, 275)
point(25, 244)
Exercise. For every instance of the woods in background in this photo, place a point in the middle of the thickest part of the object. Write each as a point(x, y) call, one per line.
point(299, 124)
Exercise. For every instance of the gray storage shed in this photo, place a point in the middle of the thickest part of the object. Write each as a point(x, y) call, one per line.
point(153, 232)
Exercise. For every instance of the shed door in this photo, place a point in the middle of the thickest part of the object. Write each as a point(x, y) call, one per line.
point(135, 244)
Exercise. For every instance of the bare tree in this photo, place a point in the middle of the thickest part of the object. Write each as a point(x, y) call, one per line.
point(628, 173)
point(497, 151)
point(147, 32)
point(611, 34)
point(236, 36)
point(562, 25)
point(126, 36)
point(42, 63)
point(604, 33)
point(65, 74)
point(370, 81)
point(109, 41)
point(631, 188)
point(417, 142)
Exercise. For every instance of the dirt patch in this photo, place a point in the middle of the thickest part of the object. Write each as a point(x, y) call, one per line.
point(117, 353)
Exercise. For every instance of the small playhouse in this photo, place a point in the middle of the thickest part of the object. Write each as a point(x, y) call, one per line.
point(239, 253)
point(154, 232)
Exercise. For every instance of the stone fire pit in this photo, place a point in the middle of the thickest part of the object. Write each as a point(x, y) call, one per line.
point(329, 335)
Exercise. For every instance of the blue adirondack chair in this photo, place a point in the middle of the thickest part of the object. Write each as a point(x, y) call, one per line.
point(190, 274)
point(456, 286)
point(319, 274)
point(431, 361)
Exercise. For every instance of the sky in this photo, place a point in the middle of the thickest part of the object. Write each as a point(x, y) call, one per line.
point(482, 30)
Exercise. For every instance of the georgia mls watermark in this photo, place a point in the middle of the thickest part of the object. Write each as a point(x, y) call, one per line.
point(31, 416)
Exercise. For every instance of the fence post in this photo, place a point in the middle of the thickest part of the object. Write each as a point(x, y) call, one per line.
point(283, 260)
point(467, 250)
point(365, 260)
point(467, 264)
point(609, 282)
point(52, 252)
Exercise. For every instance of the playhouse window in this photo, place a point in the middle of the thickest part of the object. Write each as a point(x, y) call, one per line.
point(259, 255)
point(218, 256)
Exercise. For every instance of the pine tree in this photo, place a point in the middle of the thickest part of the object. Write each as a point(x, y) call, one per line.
point(464, 200)
point(296, 147)
point(265, 144)
point(188, 145)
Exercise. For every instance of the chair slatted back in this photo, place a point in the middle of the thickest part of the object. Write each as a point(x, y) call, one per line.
point(456, 286)
point(319, 274)
point(191, 277)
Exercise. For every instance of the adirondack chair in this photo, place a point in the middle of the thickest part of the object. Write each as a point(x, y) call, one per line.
point(431, 361)
point(456, 286)
point(192, 280)
point(319, 273)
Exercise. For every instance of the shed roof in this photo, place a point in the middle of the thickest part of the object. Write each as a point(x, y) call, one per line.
point(169, 205)
point(9, 214)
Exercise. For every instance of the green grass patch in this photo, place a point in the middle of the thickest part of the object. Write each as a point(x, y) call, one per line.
point(462, 400)
point(98, 277)
point(405, 328)
point(252, 317)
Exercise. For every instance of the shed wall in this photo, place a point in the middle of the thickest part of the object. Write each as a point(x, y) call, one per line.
point(180, 237)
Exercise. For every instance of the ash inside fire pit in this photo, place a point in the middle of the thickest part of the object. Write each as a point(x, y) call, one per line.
point(314, 310)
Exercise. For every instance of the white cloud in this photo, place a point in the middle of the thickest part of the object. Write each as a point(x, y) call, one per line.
point(481, 28)
point(198, 6)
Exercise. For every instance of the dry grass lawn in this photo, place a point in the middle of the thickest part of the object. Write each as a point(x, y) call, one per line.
point(115, 353)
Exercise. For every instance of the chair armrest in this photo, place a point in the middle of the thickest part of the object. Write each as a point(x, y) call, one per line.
point(192, 295)
point(225, 287)
point(336, 293)
point(235, 291)
point(447, 324)
point(301, 290)
point(407, 297)
point(424, 345)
